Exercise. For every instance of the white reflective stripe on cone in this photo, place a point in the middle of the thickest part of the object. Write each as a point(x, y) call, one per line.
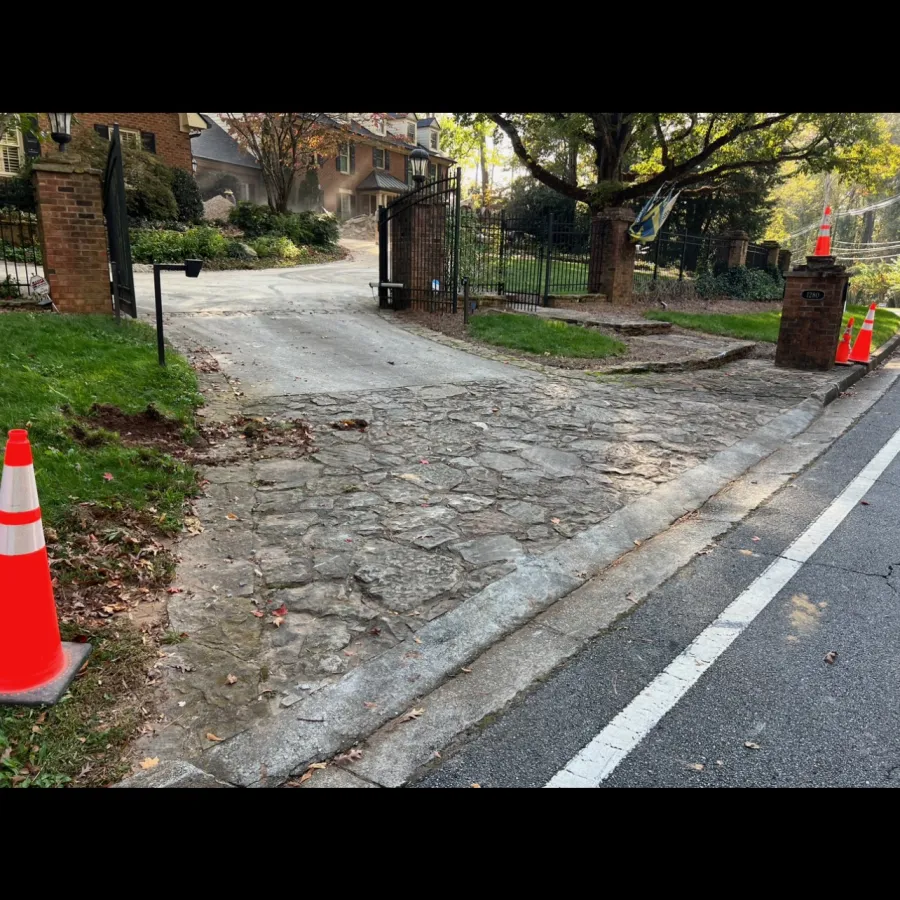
point(17, 540)
point(18, 491)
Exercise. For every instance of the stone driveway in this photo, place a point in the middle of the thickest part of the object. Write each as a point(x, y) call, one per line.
point(308, 567)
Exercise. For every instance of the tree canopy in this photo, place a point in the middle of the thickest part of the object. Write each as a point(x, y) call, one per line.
point(622, 158)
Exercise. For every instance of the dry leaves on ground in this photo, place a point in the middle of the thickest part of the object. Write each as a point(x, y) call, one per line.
point(231, 679)
point(352, 755)
point(412, 714)
point(752, 745)
point(151, 762)
point(213, 737)
point(831, 656)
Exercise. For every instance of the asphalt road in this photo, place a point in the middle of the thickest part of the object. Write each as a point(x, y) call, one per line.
point(808, 722)
point(310, 329)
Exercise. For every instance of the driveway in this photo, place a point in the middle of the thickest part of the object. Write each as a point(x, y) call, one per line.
point(311, 329)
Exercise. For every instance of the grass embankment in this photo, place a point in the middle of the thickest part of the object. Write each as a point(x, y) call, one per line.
point(543, 336)
point(764, 326)
point(76, 383)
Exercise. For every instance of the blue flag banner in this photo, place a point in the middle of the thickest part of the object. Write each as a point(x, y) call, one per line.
point(651, 218)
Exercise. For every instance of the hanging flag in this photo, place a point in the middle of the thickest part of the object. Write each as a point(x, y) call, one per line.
point(651, 218)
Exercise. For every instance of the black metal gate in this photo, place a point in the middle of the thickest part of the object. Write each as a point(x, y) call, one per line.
point(418, 248)
point(20, 252)
point(122, 278)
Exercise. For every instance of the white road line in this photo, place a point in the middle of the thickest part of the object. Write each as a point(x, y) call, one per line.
point(599, 759)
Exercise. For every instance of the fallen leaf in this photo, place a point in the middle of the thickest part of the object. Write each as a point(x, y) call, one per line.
point(370, 705)
point(424, 462)
point(231, 517)
point(418, 640)
point(314, 766)
point(554, 521)
point(697, 767)
point(277, 621)
point(41, 718)
point(151, 762)
point(35, 729)
point(437, 754)
point(306, 776)
point(408, 476)
point(259, 613)
point(413, 714)
point(864, 503)
point(108, 476)
point(212, 737)
point(467, 670)
point(637, 543)
point(352, 755)
point(174, 590)
point(182, 703)
point(231, 679)
point(349, 652)
point(281, 611)
point(755, 540)
point(752, 745)
point(475, 784)
point(374, 631)
point(746, 552)
point(831, 656)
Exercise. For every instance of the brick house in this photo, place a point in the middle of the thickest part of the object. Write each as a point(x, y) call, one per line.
point(370, 169)
point(168, 135)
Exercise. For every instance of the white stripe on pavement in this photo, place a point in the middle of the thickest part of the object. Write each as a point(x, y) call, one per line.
point(599, 759)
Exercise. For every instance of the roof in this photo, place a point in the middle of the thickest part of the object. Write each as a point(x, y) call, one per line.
point(381, 181)
point(399, 115)
point(430, 122)
point(217, 144)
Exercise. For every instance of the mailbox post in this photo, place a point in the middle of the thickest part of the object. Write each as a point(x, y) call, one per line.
point(811, 316)
point(191, 268)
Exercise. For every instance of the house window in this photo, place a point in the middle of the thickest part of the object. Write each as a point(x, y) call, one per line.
point(131, 139)
point(10, 152)
point(345, 200)
point(343, 158)
point(432, 172)
point(411, 133)
point(378, 158)
point(434, 140)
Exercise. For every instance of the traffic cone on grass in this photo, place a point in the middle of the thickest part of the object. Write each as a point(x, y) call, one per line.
point(823, 244)
point(843, 351)
point(862, 348)
point(36, 667)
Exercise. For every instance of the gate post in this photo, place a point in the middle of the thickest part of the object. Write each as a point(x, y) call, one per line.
point(611, 268)
point(73, 236)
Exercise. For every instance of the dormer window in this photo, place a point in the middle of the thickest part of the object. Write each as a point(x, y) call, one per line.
point(411, 133)
point(434, 140)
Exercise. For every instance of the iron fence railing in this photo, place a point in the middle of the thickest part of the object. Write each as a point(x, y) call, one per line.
point(757, 257)
point(677, 257)
point(20, 252)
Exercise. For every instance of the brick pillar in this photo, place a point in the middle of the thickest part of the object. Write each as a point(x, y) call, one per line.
point(611, 268)
point(773, 250)
point(784, 261)
point(73, 234)
point(737, 248)
point(811, 315)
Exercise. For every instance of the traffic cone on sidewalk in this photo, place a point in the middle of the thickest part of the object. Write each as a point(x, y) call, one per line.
point(862, 348)
point(823, 244)
point(843, 351)
point(36, 667)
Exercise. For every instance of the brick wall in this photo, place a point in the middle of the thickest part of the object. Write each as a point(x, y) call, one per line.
point(70, 213)
point(810, 329)
point(173, 146)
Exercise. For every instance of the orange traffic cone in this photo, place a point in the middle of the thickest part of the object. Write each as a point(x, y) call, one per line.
point(843, 351)
point(823, 244)
point(861, 352)
point(35, 666)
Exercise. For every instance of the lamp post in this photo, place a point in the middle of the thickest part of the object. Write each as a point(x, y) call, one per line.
point(61, 129)
point(418, 161)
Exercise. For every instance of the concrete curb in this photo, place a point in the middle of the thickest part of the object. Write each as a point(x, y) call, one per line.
point(337, 717)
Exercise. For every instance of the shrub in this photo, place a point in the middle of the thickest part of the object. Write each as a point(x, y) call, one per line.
point(237, 250)
point(187, 196)
point(741, 283)
point(17, 193)
point(148, 246)
point(204, 243)
point(302, 228)
point(277, 247)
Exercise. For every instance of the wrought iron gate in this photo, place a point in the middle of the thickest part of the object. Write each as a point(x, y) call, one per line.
point(418, 248)
point(122, 279)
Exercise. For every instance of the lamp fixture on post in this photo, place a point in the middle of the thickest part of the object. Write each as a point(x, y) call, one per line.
point(418, 161)
point(61, 129)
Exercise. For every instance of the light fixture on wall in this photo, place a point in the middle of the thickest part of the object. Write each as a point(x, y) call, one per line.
point(61, 129)
point(418, 161)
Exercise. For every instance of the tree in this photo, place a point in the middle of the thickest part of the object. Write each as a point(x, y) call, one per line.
point(285, 145)
point(879, 282)
point(631, 155)
point(473, 145)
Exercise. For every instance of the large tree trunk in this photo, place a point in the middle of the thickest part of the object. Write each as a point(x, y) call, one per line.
point(868, 226)
point(485, 181)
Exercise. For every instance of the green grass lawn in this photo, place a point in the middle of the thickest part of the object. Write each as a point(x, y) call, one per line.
point(764, 326)
point(53, 369)
point(543, 336)
point(520, 274)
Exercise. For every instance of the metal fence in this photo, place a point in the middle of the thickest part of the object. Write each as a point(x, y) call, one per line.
point(502, 257)
point(571, 257)
point(757, 257)
point(676, 257)
point(20, 252)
